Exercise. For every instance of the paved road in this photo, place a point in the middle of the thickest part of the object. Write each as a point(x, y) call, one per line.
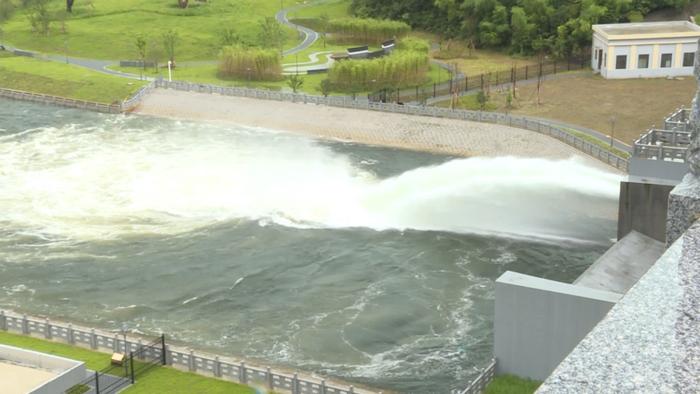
point(310, 36)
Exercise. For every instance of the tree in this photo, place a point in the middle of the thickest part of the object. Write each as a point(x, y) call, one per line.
point(482, 98)
point(325, 87)
point(323, 20)
point(520, 42)
point(7, 8)
point(69, 6)
point(295, 82)
point(141, 46)
point(170, 39)
point(38, 15)
point(271, 33)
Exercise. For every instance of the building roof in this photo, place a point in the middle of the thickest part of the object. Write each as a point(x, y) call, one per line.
point(626, 31)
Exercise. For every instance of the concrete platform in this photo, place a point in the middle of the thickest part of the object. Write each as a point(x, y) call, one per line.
point(623, 264)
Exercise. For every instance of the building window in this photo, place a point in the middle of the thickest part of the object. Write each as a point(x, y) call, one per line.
point(666, 60)
point(643, 61)
point(688, 59)
point(621, 62)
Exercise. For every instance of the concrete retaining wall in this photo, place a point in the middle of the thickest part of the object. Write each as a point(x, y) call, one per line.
point(70, 372)
point(643, 208)
point(539, 321)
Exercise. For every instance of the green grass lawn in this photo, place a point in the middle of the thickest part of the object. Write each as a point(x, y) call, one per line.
point(106, 29)
point(59, 79)
point(332, 8)
point(93, 360)
point(158, 380)
point(509, 384)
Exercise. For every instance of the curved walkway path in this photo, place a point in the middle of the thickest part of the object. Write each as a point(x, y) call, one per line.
point(313, 64)
point(310, 36)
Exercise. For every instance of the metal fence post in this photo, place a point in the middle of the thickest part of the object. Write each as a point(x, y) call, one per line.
point(97, 382)
point(131, 364)
point(163, 359)
point(295, 384)
point(323, 386)
point(3, 321)
point(47, 329)
point(25, 325)
point(352, 390)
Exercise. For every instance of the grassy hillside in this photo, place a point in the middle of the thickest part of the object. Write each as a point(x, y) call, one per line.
point(58, 79)
point(106, 29)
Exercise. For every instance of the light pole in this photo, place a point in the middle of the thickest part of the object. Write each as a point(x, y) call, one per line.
point(123, 330)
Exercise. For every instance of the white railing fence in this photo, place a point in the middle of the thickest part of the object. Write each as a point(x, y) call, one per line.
point(180, 358)
point(478, 385)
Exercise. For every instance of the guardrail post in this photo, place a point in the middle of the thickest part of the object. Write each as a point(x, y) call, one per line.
point(295, 384)
point(217, 367)
point(47, 329)
point(191, 365)
point(242, 374)
point(3, 321)
point(323, 386)
point(25, 325)
point(270, 379)
point(70, 334)
point(352, 390)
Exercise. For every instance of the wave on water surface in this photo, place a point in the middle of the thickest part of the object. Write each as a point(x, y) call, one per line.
point(100, 182)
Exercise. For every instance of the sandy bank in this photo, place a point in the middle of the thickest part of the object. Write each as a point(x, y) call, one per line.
point(437, 135)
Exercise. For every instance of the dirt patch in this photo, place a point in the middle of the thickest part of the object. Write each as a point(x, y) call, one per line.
point(591, 101)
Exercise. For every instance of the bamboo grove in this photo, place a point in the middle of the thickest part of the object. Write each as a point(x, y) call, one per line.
point(250, 63)
point(366, 30)
point(403, 68)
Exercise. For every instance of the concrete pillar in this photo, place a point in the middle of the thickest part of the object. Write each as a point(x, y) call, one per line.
point(93, 339)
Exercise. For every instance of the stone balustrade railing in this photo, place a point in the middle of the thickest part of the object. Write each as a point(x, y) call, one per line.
point(180, 358)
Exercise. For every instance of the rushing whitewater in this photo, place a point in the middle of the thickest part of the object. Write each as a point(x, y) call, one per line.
point(87, 182)
point(271, 246)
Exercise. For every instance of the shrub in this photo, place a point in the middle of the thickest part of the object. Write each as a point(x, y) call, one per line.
point(399, 69)
point(414, 44)
point(250, 63)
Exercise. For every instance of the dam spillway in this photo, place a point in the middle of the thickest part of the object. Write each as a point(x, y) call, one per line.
point(371, 264)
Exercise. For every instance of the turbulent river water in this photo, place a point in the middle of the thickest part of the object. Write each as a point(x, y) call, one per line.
point(370, 264)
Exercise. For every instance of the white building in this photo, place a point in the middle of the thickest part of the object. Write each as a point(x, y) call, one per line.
point(644, 50)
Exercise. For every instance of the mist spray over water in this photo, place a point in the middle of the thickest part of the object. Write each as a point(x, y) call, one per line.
point(79, 182)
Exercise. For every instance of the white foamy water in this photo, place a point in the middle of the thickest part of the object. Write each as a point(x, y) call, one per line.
point(82, 182)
